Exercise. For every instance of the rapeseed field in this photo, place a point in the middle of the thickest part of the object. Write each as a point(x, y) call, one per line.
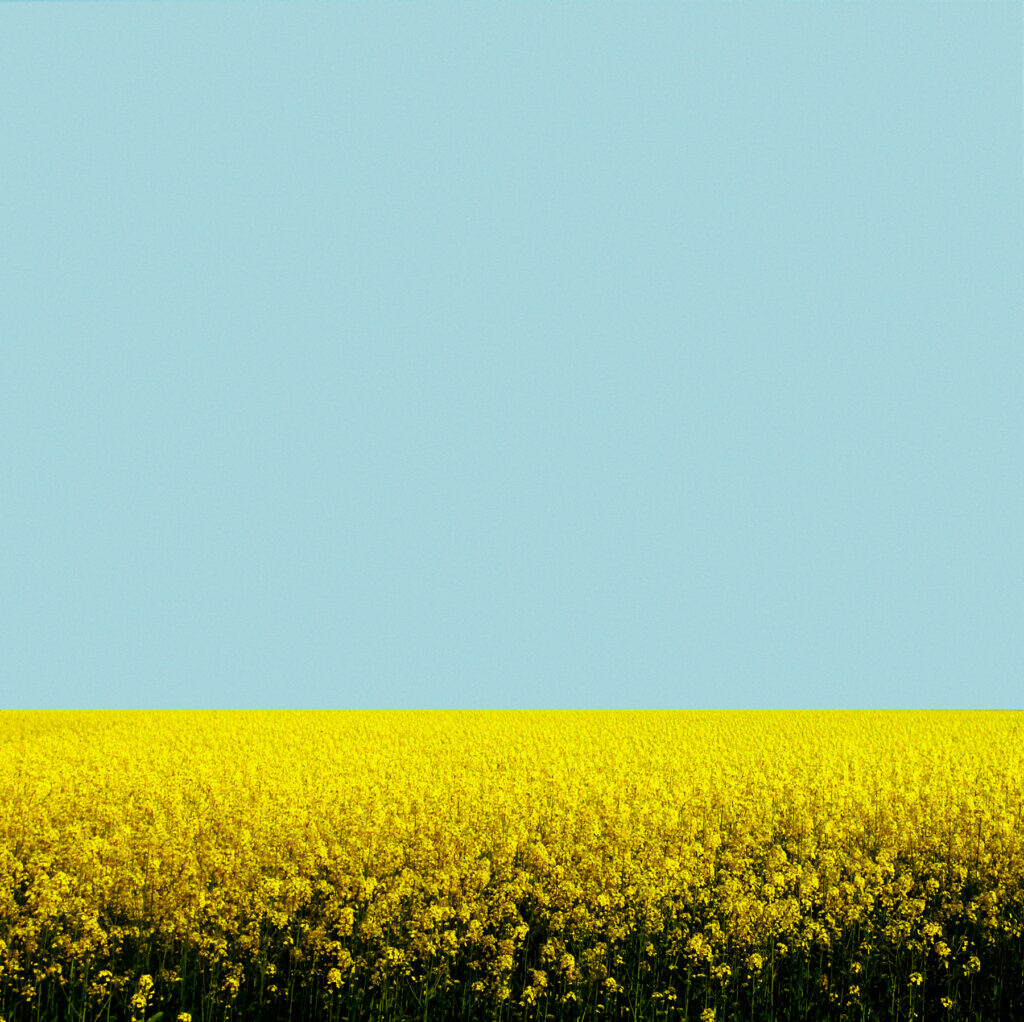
point(202, 867)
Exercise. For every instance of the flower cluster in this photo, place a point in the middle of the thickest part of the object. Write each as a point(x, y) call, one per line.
point(669, 865)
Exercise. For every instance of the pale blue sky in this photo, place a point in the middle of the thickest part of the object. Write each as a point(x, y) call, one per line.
point(511, 356)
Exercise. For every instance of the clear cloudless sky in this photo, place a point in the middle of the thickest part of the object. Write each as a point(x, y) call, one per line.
point(511, 356)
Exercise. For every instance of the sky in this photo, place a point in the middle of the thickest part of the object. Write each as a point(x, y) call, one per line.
point(511, 356)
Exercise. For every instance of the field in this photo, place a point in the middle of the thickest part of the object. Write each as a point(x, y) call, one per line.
point(392, 866)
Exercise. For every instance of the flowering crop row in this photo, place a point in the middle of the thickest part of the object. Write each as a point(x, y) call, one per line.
point(332, 866)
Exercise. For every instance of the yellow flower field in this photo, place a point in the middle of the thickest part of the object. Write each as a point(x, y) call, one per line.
point(331, 866)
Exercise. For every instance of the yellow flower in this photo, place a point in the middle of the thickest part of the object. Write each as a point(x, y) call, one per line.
point(396, 851)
